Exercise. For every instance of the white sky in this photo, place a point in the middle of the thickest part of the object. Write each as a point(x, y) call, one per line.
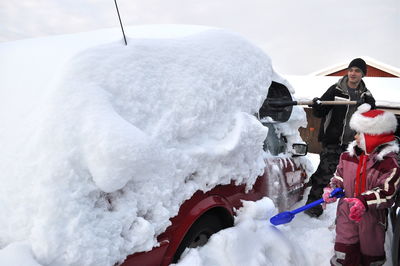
point(300, 36)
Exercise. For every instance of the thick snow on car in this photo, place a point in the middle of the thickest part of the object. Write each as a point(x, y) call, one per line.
point(130, 154)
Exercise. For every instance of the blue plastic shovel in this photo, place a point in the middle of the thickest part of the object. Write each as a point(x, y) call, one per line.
point(287, 217)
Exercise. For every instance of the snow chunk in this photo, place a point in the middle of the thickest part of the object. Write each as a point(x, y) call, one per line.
point(17, 254)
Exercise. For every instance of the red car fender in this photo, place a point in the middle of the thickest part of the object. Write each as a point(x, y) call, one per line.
point(189, 212)
point(149, 258)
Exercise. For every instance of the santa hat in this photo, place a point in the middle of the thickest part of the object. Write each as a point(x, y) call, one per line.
point(373, 122)
point(377, 126)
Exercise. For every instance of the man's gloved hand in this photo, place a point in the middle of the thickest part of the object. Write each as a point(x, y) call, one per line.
point(357, 209)
point(325, 196)
point(316, 102)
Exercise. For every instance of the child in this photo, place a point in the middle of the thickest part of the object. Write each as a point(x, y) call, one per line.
point(369, 173)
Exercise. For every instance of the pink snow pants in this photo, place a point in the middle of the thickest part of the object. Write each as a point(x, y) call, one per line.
point(359, 243)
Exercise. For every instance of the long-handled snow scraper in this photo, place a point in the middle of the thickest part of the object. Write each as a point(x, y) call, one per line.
point(279, 103)
point(287, 217)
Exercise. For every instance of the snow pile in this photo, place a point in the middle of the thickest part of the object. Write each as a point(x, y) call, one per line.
point(122, 136)
point(16, 254)
point(253, 241)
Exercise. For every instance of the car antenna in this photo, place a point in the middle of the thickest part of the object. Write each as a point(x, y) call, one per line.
point(120, 22)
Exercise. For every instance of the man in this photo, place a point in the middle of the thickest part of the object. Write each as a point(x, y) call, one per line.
point(335, 133)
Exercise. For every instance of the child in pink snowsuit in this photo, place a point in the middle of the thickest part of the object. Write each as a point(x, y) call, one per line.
point(370, 176)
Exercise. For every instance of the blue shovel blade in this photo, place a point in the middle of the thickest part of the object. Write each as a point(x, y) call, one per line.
point(282, 218)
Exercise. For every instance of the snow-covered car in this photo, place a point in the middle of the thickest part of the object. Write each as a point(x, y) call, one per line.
point(129, 154)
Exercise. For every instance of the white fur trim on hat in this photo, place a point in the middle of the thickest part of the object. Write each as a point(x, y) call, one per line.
point(383, 123)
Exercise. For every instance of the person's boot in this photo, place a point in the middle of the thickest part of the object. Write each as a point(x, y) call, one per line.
point(373, 260)
point(346, 254)
point(314, 211)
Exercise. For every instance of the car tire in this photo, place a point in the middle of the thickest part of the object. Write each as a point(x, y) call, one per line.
point(396, 243)
point(199, 233)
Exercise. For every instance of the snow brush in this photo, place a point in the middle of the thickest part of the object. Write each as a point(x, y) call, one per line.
point(287, 217)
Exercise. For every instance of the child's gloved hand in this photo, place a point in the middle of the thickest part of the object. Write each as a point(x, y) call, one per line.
point(325, 196)
point(327, 193)
point(357, 209)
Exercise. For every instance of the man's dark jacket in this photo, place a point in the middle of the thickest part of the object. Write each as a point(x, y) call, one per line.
point(334, 128)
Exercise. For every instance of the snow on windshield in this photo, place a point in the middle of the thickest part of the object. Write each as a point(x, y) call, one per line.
point(100, 152)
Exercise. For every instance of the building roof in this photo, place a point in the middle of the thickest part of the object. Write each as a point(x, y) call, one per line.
point(370, 62)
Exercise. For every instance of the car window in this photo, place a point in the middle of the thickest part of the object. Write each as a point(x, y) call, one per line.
point(273, 143)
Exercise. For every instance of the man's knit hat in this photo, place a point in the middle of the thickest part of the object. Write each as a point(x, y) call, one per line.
point(358, 62)
point(377, 126)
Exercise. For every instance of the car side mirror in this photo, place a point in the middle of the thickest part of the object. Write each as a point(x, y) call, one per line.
point(299, 149)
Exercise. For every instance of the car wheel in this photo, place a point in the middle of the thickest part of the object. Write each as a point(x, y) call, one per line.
point(396, 243)
point(199, 233)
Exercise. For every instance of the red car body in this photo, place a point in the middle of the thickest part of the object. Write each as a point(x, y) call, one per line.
point(221, 201)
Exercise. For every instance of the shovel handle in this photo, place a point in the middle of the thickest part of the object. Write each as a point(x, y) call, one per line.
point(328, 102)
point(280, 104)
point(308, 206)
point(337, 192)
